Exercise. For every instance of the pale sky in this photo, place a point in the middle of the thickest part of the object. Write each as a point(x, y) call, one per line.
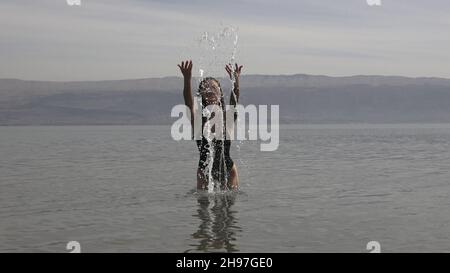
point(125, 39)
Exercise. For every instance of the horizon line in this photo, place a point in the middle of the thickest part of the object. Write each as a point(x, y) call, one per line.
point(244, 75)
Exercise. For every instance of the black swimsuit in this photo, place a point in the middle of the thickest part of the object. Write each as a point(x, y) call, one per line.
point(223, 163)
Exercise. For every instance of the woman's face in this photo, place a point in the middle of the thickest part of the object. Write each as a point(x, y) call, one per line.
point(211, 92)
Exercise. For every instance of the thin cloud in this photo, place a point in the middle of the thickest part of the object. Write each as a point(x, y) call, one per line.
point(111, 39)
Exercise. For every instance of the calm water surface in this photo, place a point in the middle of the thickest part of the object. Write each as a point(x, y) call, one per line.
point(130, 189)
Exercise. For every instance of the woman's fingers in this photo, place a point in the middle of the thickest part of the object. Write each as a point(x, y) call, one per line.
point(187, 65)
point(233, 72)
point(228, 69)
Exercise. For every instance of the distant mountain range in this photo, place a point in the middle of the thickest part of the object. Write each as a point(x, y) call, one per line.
point(302, 99)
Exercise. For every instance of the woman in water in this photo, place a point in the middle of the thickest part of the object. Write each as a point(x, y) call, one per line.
point(223, 169)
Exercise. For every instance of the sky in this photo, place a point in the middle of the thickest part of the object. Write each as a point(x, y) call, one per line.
point(127, 39)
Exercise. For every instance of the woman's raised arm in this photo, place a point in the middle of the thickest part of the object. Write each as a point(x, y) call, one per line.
point(234, 76)
point(186, 70)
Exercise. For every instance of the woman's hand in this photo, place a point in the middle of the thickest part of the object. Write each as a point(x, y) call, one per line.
point(186, 69)
point(234, 75)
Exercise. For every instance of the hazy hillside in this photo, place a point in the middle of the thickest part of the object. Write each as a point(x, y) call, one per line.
point(302, 98)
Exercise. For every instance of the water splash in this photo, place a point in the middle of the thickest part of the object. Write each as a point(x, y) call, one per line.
point(208, 171)
point(215, 50)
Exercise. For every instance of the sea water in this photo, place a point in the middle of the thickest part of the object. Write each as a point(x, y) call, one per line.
point(132, 189)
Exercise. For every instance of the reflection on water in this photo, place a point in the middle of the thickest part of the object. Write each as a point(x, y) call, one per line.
point(218, 229)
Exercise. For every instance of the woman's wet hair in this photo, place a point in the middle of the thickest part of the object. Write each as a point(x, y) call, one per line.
point(203, 86)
